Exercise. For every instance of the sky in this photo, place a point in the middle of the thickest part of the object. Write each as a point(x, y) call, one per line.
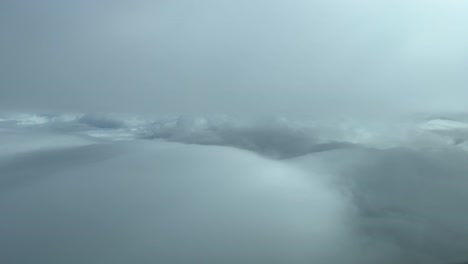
point(255, 57)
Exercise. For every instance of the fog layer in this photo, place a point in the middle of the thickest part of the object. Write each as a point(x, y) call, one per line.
point(236, 57)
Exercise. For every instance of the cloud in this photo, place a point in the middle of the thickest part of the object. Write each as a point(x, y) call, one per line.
point(235, 57)
point(182, 203)
point(93, 200)
point(408, 201)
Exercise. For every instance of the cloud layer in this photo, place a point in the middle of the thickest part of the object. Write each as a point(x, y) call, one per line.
point(77, 185)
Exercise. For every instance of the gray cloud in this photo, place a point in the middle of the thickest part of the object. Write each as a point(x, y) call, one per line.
point(237, 57)
point(337, 192)
point(259, 211)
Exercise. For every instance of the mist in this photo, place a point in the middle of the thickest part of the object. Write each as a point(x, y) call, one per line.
point(296, 58)
point(224, 131)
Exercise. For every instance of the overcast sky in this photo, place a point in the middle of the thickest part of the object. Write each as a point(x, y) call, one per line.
point(234, 56)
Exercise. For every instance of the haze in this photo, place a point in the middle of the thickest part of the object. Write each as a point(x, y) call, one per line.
point(295, 57)
point(233, 132)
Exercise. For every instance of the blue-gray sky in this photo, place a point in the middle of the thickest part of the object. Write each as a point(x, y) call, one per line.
point(242, 57)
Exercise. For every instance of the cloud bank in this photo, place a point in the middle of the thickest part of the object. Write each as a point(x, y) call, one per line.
point(99, 198)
